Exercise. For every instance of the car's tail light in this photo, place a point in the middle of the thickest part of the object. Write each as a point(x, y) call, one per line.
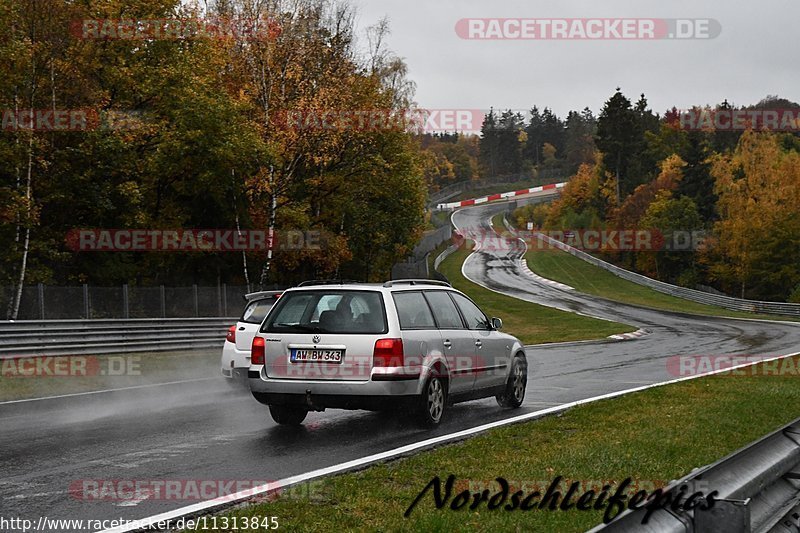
point(231, 336)
point(388, 352)
point(257, 351)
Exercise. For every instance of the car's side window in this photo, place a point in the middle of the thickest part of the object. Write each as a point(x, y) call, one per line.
point(471, 312)
point(413, 311)
point(444, 310)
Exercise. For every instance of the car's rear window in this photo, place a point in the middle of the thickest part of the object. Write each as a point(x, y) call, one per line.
point(328, 311)
point(256, 310)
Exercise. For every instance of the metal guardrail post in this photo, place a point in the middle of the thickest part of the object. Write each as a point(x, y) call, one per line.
point(40, 287)
point(163, 301)
point(196, 302)
point(86, 301)
point(125, 306)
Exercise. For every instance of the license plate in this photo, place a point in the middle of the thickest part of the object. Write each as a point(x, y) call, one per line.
point(316, 356)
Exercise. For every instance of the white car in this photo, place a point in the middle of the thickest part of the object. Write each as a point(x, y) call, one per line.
point(417, 345)
point(236, 350)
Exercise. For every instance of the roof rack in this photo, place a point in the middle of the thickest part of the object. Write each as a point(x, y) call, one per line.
point(416, 282)
point(327, 282)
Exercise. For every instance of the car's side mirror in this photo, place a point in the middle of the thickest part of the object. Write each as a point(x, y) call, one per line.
point(497, 323)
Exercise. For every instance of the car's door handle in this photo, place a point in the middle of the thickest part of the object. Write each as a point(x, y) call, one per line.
point(447, 343)
point(478, 343)
point(241, 328)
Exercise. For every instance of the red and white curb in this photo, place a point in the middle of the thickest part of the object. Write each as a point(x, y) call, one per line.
point(630, 336)
point(523, 267)
point(502, 196)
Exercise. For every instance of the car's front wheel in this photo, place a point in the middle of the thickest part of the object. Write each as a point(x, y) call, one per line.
point(514, 393)
point(433, 402)
point(288, 415)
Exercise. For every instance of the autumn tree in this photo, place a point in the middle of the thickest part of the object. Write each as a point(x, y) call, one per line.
point(579, 146)
point(756, 250)
point(618, 139)
point(675, 222)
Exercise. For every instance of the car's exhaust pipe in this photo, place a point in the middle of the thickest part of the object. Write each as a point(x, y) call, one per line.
point(310, 403)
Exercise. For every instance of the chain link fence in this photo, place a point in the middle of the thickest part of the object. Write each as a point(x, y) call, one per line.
point(416, 265)
point(46, 302)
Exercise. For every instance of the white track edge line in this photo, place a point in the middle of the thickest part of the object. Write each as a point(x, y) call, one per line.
point(207, 505)
point(104, 391)
point(474, 254)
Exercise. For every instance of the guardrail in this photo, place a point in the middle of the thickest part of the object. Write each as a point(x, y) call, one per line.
point(727, 302)
point(758, 490)
point(444, 255)
point(448, 191)
point(26, 338)
point(416, 265)
point(550, 189)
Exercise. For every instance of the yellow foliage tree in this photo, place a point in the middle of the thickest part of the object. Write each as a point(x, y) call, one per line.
point(757, 237)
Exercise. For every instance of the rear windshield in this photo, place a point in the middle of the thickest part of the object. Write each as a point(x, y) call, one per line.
point(256, 310)
point(328, 311)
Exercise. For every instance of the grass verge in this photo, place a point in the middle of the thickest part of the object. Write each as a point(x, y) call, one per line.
point(590, 279)
point(532, 323)
point(85, 373)
point(560, 266)
point(497, 222)
point(680, 426)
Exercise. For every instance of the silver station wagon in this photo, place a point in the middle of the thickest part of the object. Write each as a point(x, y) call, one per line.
point(414, 345)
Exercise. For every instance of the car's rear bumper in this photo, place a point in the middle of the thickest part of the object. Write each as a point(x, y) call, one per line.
point(319, 402)
point(236, 374)
point(233, 359)
point(376, 393)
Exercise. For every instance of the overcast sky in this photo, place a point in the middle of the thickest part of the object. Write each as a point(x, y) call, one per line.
point(755, 54)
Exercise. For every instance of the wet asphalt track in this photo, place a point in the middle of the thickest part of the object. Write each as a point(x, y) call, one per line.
point(205, 431)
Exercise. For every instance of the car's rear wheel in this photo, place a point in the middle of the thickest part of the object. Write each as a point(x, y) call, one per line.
point(288, 415)
point(514, 393)
point(432, 402)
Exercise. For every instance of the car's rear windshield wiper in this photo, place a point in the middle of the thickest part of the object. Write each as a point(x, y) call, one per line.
point(301, 327)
